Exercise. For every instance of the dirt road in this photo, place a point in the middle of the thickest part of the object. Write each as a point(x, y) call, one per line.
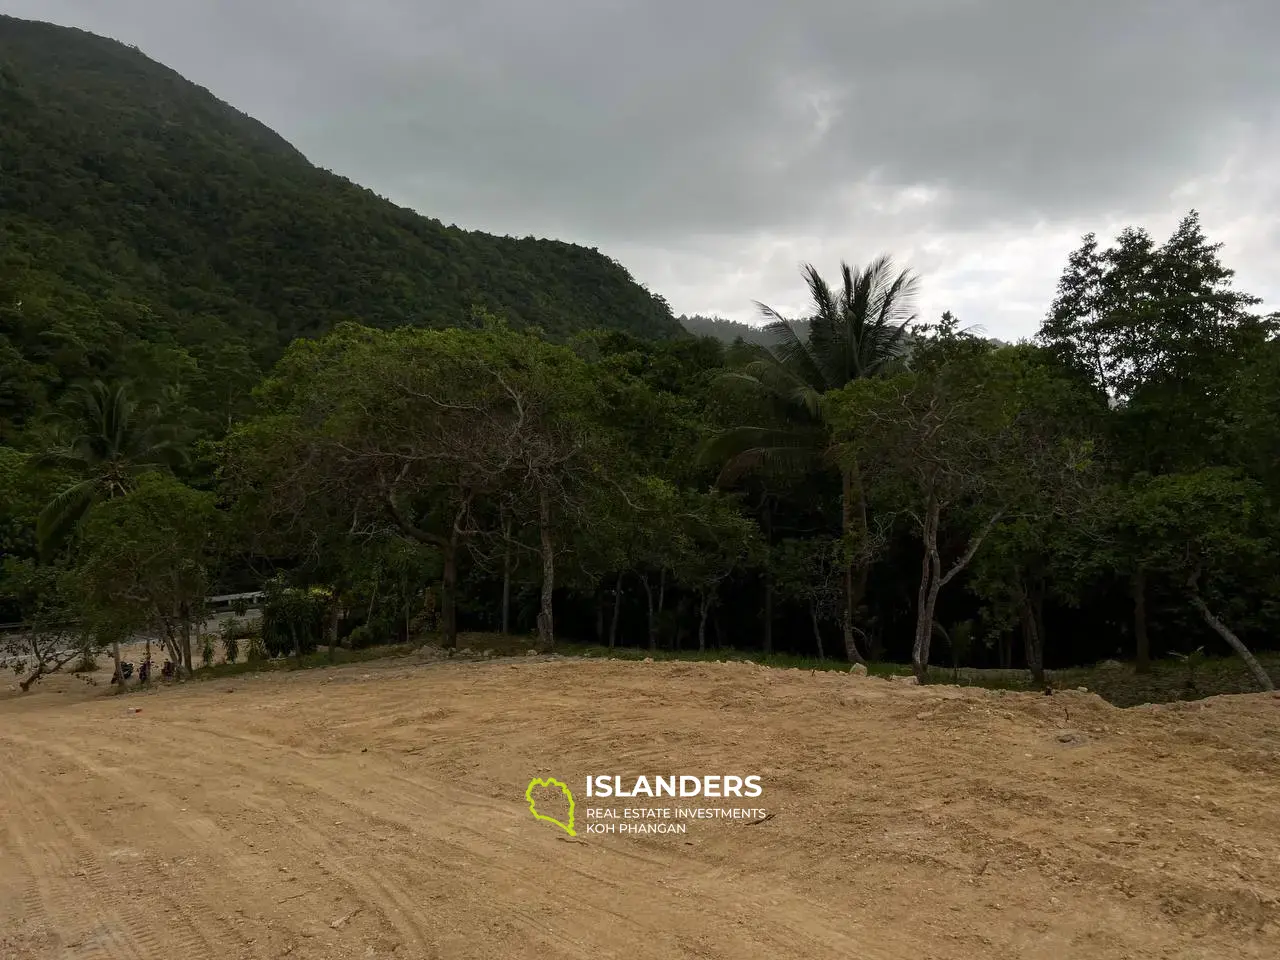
point(380, 812)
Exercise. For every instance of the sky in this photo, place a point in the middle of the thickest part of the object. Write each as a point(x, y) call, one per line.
point(715, 147)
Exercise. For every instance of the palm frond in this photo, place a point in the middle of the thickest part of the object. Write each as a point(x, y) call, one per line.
point(63, 514)
point(771, 450)
point(58, 460)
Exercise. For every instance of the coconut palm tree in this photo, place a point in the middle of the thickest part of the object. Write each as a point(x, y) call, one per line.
point(859, 331)
point(111, 444)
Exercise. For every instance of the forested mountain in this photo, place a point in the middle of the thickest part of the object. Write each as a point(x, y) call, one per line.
point(138, 213)
point(728, 331)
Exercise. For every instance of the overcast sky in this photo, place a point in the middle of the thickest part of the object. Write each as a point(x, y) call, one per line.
point(712, 147)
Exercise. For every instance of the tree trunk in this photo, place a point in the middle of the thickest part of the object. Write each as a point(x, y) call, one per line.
point(768, 613)
point(546, 624)
point(817, 630)
point(704, 610)
point(448, 597)
point(768, 582)
point(332, 617)
point(617, 606)
point(932, 579)
point(506, 599)
point(1032, 642)
point(927, 595)
point(1037, 608)
point(147, 658)
point(186, 641)
point(653, 620)
point(1236, 644)
point(297, 642)
point(1142, 642)
point(506, 577)
point(855, 573)
point(115, 656)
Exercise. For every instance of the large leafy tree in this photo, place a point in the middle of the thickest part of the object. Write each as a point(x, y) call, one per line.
point(149, 559)
point(1161, 331)
point(855, 332)
point(957, 444)
point(110, 443)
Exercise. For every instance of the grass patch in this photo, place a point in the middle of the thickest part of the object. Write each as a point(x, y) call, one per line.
point(1117, 683)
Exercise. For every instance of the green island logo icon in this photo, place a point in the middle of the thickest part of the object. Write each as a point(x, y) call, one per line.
point(550, 782)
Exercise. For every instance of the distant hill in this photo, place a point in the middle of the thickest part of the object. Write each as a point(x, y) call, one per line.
point(136, 208)
point(728, 331)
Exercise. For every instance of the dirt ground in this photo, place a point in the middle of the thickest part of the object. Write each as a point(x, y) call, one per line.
point(379, 811)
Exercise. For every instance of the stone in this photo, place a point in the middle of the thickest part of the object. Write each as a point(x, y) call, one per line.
point(858, 670)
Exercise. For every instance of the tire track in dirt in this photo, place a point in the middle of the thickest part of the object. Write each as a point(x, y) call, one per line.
point(48, 902)
point(596, 879)
point(65, 843)
point(366, 889)
point(689, 875)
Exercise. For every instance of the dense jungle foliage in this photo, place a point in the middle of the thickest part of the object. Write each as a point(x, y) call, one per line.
point(223, 369)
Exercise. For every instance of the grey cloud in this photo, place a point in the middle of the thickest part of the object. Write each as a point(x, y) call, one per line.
point(643, 124)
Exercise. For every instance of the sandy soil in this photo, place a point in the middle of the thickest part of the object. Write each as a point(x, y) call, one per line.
point(378, 811)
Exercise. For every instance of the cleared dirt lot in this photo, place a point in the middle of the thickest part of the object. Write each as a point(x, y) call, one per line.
point(377, 811)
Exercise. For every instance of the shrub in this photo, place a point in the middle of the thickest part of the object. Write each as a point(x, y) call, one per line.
point(360, 637)
point(256, 651)
point(206, 649)
point(88, 662)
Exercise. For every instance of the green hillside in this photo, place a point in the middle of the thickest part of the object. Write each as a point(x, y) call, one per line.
point(138, 212)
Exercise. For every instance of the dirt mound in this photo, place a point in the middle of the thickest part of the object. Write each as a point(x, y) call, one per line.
point(366, 812)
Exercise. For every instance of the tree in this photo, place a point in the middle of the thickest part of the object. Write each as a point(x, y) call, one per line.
point(1209, 531)
point(1162, 332)
point(147, 561)
point(809, 572)
point(49, 637)
point(428, 432)
point(953, 443)
point(855, 334)
point(721, 541)
point(112, 444)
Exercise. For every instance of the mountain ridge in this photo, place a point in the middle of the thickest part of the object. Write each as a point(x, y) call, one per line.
point(133, 195)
